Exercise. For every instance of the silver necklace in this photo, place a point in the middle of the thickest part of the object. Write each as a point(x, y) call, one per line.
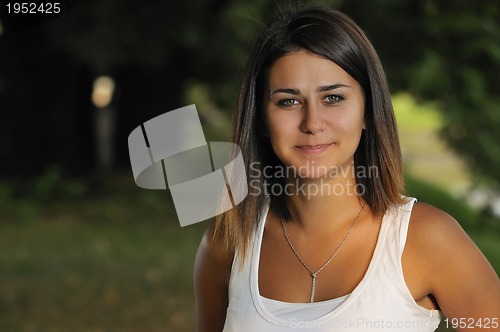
point(314, 274)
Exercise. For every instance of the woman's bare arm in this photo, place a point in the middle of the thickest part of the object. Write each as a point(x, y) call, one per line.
point(211, 279)
point(461, 279)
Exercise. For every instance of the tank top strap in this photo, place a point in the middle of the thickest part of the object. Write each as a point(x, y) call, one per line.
point(403, 221)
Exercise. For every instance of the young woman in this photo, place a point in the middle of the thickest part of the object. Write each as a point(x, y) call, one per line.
point(325, 241)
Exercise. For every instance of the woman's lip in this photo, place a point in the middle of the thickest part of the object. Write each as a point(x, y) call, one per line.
point(313, 149)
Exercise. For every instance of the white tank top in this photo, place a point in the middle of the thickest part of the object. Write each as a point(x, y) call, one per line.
point(380, 302)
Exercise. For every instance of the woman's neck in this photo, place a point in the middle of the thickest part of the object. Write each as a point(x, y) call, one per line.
point(313, 201)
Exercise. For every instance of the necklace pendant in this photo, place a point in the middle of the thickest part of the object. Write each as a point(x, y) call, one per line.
point(313, 287)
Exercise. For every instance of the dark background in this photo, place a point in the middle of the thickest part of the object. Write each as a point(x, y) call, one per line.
point(155, 50)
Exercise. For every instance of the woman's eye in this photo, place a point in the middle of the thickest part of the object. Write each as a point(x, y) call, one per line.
point(333, 99)
point(288, 102)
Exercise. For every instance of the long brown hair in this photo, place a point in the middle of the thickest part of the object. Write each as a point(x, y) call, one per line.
point(335, 36)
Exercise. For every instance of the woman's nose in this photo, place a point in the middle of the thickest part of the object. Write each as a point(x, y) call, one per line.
point(312, 121)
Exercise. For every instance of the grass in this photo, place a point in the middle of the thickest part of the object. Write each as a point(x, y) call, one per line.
point(119, 263)
point(81, 277)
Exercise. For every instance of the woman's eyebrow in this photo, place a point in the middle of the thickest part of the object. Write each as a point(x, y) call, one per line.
point(288, 91)
point(323, 88)
point(332, 87)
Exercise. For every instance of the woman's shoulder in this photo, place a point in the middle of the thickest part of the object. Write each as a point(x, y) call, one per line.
point(424, 214)
point(439, 244)
point(213, 248)
point(454, 269)
point(213, 259)
point(430, 222)
point(211, 279)
point(433, 229)
point(436, 240)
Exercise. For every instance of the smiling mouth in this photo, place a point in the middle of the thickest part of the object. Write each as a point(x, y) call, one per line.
point(313, 149)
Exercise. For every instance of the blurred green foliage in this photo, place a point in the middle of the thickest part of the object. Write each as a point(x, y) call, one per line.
point(447, 51)
point(426, 192)
point(53, 185)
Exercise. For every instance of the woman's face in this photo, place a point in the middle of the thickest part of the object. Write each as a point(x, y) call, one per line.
point(314, 114)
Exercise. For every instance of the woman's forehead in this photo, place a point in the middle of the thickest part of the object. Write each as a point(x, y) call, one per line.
point(301, 69)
